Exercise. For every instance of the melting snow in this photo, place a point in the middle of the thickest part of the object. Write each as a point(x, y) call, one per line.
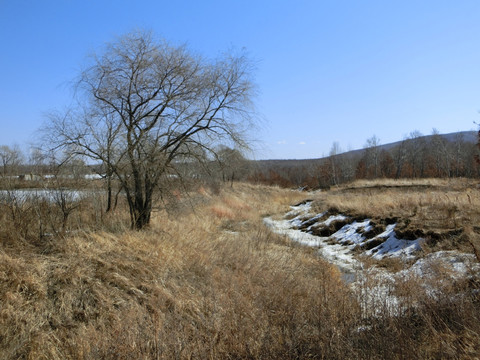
point(373, 285)
point(350, 232)
point(348, 237)
point(337, 254)
point(337, 248)
point(452, 262)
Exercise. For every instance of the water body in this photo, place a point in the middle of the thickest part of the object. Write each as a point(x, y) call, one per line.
point(50, 195)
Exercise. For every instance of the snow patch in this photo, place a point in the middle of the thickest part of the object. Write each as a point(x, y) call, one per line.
point(333, 218)
point(394, 247)
point(350, 233)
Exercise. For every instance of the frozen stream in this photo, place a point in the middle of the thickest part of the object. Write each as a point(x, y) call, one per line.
point(338, 248)
point(336, 254)
point(374, 283)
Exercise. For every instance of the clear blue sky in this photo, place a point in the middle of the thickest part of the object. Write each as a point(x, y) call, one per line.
point(327, 71)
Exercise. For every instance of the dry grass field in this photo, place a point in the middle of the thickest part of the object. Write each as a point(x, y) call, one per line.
point(212, 282)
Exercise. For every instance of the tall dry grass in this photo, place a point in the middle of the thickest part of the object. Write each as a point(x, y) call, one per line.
point(210, 282)
point(201, 285)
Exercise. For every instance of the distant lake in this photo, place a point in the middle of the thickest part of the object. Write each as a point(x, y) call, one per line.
point(50, 195)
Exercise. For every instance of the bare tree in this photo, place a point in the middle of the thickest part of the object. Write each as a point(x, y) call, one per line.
point(399, 154)
point(372, 155)
point(10, 159)
point(147, 105)
point(458, 155)
point(416, 153)
point(348, 164)
point(233, 164)
point(333, 160)
point(440, 153)
point(37, 160)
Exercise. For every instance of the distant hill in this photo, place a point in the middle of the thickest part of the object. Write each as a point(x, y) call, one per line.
point(465, 136)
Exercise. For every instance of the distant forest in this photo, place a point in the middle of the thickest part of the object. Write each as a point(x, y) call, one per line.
point(417, 156)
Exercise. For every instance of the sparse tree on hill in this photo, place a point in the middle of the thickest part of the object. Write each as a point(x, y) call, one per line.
point(399, 154)
point(147, 105)
point(334, 160)
point(372, 156)
point(347, 164)
point(458, 156)
point(440, 153)
point(386, 164)
point(416, 153)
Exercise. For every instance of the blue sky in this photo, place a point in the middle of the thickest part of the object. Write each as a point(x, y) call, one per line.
point(326, 71)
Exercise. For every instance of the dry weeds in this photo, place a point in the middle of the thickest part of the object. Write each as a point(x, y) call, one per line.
point(209, 282)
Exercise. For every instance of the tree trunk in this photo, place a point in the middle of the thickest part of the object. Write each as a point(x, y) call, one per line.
point(141, 207)
point(109, 175)
point(142, 213)
point(109, 194)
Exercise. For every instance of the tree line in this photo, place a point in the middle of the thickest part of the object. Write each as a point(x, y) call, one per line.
point(416, 156)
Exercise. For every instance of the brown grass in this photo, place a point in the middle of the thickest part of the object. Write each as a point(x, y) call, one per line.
point(183, 288)
point(436, 209)
point(199, 284)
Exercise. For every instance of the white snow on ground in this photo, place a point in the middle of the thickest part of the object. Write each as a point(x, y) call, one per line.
point(284, 227)
point(434, 272)
point(299, 211)
point(396, 247)
point(299, 221)
point(350, 232)
point(393, 246)
point(333, 218)
point(373, 285)
point(452, 263)
point(346, 239)
point(337, 254)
